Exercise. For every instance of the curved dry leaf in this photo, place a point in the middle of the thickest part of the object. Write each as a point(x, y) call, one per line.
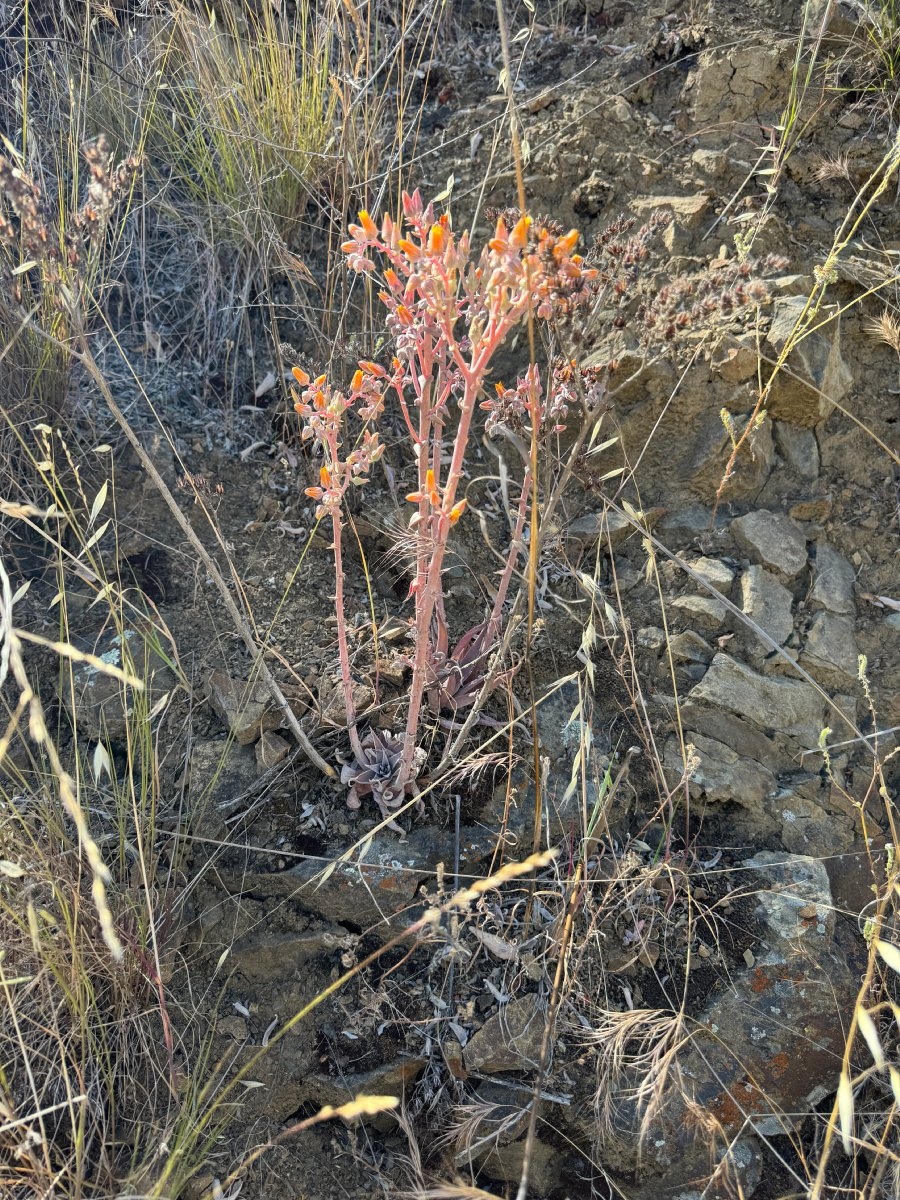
point(890, 953)
point(870, 1033)
point(845, 1111)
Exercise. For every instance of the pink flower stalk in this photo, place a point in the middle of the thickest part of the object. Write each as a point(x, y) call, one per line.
point(447, 314)
point(323, 411)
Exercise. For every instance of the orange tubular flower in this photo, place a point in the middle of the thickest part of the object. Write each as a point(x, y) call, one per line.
point(369, 228)
point(357, 382)
point(431, 494)
point(410, 249)
point(437, 239)
point(372, 368)
point(519, 236)
point(457, 511)
point(301, 376)
point(500, 240)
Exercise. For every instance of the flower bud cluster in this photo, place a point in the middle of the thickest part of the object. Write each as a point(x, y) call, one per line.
point(432, 281)
point(323, 408)
point(571, 386)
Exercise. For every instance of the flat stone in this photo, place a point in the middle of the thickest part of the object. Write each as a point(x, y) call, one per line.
point(816, 376)
point(744, 739)
point(808, 828)
point(833, 581)
point(710, 448)
point(723, 775)
point(772, 540)
point(799, 449)
point(269, 956)
point(688, 210)
point(377, 893)
point(829, 652)
point(737, 364)
point(855, 876)
point(246, 708)
point(219, 773)
point(768, 604)
point(101, 705)
point(690, 521)
point(504, 1163)
point(714, 572)
point(271, 750)
point(690, 647)
point(609, 526)
point(508, 1041)
point(705, 612)
point(762, 1055)
point(787, 706)
point(393, 1078)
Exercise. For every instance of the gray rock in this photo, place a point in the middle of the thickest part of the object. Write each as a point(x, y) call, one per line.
point(764, 1049)
point(269, 956)
point(829, 652)
point(503, 1163)
point(246, 708)
point(714, 572)
point(769, 605)
point(690, 521)
point(710, 450)
point(508, 1041)
point(772, 540)
point(787, 706)
point(651, 637)
point(101, 706)
point(723, 775)
point(704, 612)
point(378, 893)
point(815, 376)
point(854, 876)
point(741, 737)
point(690, 647)
point(611, 527)
point(219, 774)
point(737, 363)
point(833, 581)
point(271, 750)
point(799, 449)
point(393, 1078)
point(808, 828)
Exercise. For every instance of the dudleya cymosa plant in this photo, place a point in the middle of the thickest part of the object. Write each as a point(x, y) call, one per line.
point(448, 312)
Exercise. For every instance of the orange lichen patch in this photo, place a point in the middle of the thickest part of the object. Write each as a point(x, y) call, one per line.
point(761, 981)
point(730, 1109)
point(780, 1064)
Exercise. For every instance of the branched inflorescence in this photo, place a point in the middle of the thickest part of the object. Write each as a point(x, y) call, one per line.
point(34, 232)
point(448, 311)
